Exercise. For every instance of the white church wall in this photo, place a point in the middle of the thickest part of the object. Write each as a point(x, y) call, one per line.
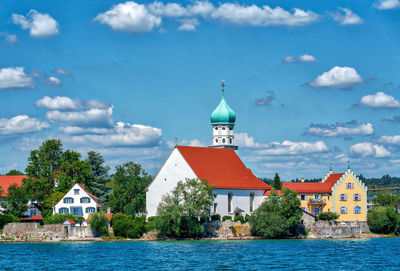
point(174, 170)
point(240, 198)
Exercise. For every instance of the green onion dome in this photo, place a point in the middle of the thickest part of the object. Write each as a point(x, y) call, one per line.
point(223, 114)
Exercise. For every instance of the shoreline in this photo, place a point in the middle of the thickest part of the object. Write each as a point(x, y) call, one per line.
point(362, 236)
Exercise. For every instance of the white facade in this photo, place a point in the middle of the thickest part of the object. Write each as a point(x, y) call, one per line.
point(176, 169)
point(77, 202)
point(223, 136)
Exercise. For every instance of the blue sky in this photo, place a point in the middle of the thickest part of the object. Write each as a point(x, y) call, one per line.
point(311, 82)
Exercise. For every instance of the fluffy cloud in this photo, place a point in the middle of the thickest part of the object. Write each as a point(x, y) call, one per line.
point(15, 78)
point(63, 103)
point(387, 4)
point(10, 38)
point(21, 124)
point(265, 100)
point(337, 77)
point(123, 135)
point(297, 59)
point(94, 117)
point(167, 10)
point(380, 100)
point(262, 16)
point(339, 129)
point(347, 17)
point(367, 149)
point(39, 24)
point(129, 16)
point(76, 130)
point(390, 140)
point(188, 25)
point(52, 81)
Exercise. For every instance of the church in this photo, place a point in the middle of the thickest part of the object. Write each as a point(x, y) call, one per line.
point(237, 190)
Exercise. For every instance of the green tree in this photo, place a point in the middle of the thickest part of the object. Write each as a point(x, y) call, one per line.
point(100, 176)
point(179, 212)
point(278, 216)
point(386, 198)
point(383, 219)
point(98, 224)
point(50, 201)
point(58, 218)
point(14, 172)
point(128, 194)
point(127, 226)
point(277, 182)
point(328, 216)
point(15, 203)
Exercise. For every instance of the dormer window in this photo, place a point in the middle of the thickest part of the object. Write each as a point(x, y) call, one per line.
point(76, 191)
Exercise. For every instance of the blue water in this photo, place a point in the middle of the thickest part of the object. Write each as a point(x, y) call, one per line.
point(355, 254)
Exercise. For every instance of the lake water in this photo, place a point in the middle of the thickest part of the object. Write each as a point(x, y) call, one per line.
point(354, 254)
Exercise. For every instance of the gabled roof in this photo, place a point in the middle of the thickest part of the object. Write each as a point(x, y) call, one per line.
point(7, 181)
point(268, 192)
point(315, 187)
point(221, 168)
point(93, 197)
point(70, 221)
point(34, 217)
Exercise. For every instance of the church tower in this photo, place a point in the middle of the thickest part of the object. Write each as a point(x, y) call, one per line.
point(223, 122)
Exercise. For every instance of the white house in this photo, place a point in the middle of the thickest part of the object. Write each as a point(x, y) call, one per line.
point(237, 189)
point(78, 201)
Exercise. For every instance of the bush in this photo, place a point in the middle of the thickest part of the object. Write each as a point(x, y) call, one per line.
point(247, 218)
point(129, 227)
point(233, 229)
point(5, 219)
point(384, 220)
point(204, 219)
point(239, 218)
point(226, 217)
point(216, 217)
point(98, 224)
point(58, 218)
point(328, 216)
point(151, 223)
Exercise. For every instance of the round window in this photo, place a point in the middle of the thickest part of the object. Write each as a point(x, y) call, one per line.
point(223, 140)
point(216, 128)
point(230, 128)
point(223, 128)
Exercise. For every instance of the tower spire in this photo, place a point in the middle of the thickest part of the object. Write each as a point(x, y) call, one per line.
point(223, 86)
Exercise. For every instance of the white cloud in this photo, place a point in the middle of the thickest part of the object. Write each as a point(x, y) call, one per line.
point(262, 16)
point(167, 10)
point(94, 117)
point(380, 100)
point(341, 130)
point(52, 81)
point(387, 4)
point(367, 149)
point(245, 141)
point(337, 77)
point(390, 140)
point(62, 71)
point(39, 24)
point(76, 130)
point(21, 124)
point(15, 78)
point(202, 8)
point(11, 38)
point(185, 142)
point(129, 16)
point(123, 134)
point(188, 25)
point(302, 58)
point(63, 103)
point(347, 17)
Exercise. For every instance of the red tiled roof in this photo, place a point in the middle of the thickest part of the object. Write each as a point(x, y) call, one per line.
point(221, 168)
point(71, 221)
point(96, 199)
point(7, 181)
point(34, 217)
point(325, 187)
point(108, 215)
point(268, 192)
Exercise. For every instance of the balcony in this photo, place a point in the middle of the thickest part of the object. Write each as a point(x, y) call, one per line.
point(316, 202)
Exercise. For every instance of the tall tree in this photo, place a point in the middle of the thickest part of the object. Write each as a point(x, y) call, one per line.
point(277, 182)
point(100, 176)
point(128, 186)
point(15, 203)
point(14, 172)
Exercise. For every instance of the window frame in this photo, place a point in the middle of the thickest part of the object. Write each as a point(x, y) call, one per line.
point(343, 210)
point(68, 200)
point(343, 197)
point(84, 198)
point(63, 208)
point(90, 208)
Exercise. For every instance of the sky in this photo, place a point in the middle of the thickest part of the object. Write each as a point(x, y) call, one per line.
point(314, 84)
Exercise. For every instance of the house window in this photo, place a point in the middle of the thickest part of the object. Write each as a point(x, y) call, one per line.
point(230, 140)
point(63, 211)
point(251, 202)
point(215, 207)
point(303, 197)
point(343, 210)
point(90, 210)
point(317, 196)
point(76, 191)
point(223, 128)
point(223, 140)
point(216, 128)
point(229, 202)
point(68, 200)
point(349, 185)
point(216, 140)
point(304, 209)
point(343, 197)
point(230, 128)
point(76, 211)
point(357, 210)
point(85, 200)
point(32, 210)
point(317, 210)
point(356, 197)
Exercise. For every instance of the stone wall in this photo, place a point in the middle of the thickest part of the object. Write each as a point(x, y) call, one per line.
point(325, 229)
point(35, 232)
point(226, 229)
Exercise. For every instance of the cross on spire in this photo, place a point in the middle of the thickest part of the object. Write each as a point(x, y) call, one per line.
point(223, 85)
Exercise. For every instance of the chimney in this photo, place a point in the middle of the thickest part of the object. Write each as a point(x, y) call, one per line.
point(108, 210)
point(302, 180)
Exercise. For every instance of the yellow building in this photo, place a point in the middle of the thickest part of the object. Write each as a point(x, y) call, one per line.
point(342, 193)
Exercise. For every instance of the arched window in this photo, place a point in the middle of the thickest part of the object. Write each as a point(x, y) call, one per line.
point(90, 210)
point(223, 140)
point(251, 202)
point(63, 210)
point(230, 202)
point(68, 200)
point(216, 140)
point(230, 140)
point(85, 200)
